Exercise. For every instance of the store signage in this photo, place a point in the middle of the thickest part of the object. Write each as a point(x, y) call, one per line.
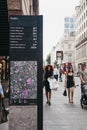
point(59, 55)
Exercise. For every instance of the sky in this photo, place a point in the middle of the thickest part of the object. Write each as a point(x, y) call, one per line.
point(54, 12)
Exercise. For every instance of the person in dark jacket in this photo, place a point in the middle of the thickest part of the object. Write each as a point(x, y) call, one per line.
point(48, 74)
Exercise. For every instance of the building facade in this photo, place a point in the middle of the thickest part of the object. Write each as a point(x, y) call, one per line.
point(69, 25)
point(81, 33)
point(23, 7)
point(66, 44)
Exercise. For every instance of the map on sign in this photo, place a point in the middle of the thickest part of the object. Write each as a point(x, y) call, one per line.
point(23, 79)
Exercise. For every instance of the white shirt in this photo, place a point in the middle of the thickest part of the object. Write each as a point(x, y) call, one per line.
point(55, 72)
point(1, 90)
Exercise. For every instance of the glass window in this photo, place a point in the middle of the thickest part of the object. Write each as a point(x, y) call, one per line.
point(86, 12)
point(84, 15)
point(71, 19)
point(72, 26)
point(84, 5)
point(67, 19)
point(66, 25)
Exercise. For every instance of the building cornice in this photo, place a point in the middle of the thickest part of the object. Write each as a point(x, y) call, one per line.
point(81, 42)
point(81, 60)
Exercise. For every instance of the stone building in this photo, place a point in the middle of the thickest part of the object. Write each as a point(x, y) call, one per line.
point(23, 7)
point(67, 45)
point(81, 33)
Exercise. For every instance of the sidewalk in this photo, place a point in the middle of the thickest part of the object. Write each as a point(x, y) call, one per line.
point(61, 115)
point(4, 126)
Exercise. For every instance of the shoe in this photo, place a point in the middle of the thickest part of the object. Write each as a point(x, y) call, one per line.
point(49, 103)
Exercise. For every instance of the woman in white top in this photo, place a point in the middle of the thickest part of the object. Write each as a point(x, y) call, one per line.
point(55, 72)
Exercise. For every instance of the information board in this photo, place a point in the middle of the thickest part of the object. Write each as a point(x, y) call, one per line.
point(26, 60)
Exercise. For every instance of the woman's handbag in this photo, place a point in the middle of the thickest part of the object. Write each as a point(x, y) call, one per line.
point(65, 92)
point(53, 83)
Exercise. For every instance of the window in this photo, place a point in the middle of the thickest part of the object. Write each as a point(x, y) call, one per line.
point(66, 25)
point(84, 34)
point(67, 19)
point(86, 12)
point(84, 5)
point(84, 25)
point(82, 18)
point(71, 26)
point(71, 19)
point(84, 15)
point(82, 8)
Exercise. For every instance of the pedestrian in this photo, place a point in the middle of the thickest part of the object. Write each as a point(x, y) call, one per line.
point(83, 75)
point(60, 75)
point(48, 74)
point(44, 75)
point(2, 95)
point(55, 72)
point(70, 84)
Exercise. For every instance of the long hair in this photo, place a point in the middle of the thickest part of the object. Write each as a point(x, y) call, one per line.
point(51, 68)
point(69, 70)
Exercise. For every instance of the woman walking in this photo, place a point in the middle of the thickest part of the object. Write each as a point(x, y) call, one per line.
point(70, 84)
point(48, 74)
point(55, 72)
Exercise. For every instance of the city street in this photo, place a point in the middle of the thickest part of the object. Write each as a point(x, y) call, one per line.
point(42, 40)
point(62, 115)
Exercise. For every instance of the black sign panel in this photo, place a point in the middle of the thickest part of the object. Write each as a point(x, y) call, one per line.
point(24, 37)
point(25, 59)
point(26, 63)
